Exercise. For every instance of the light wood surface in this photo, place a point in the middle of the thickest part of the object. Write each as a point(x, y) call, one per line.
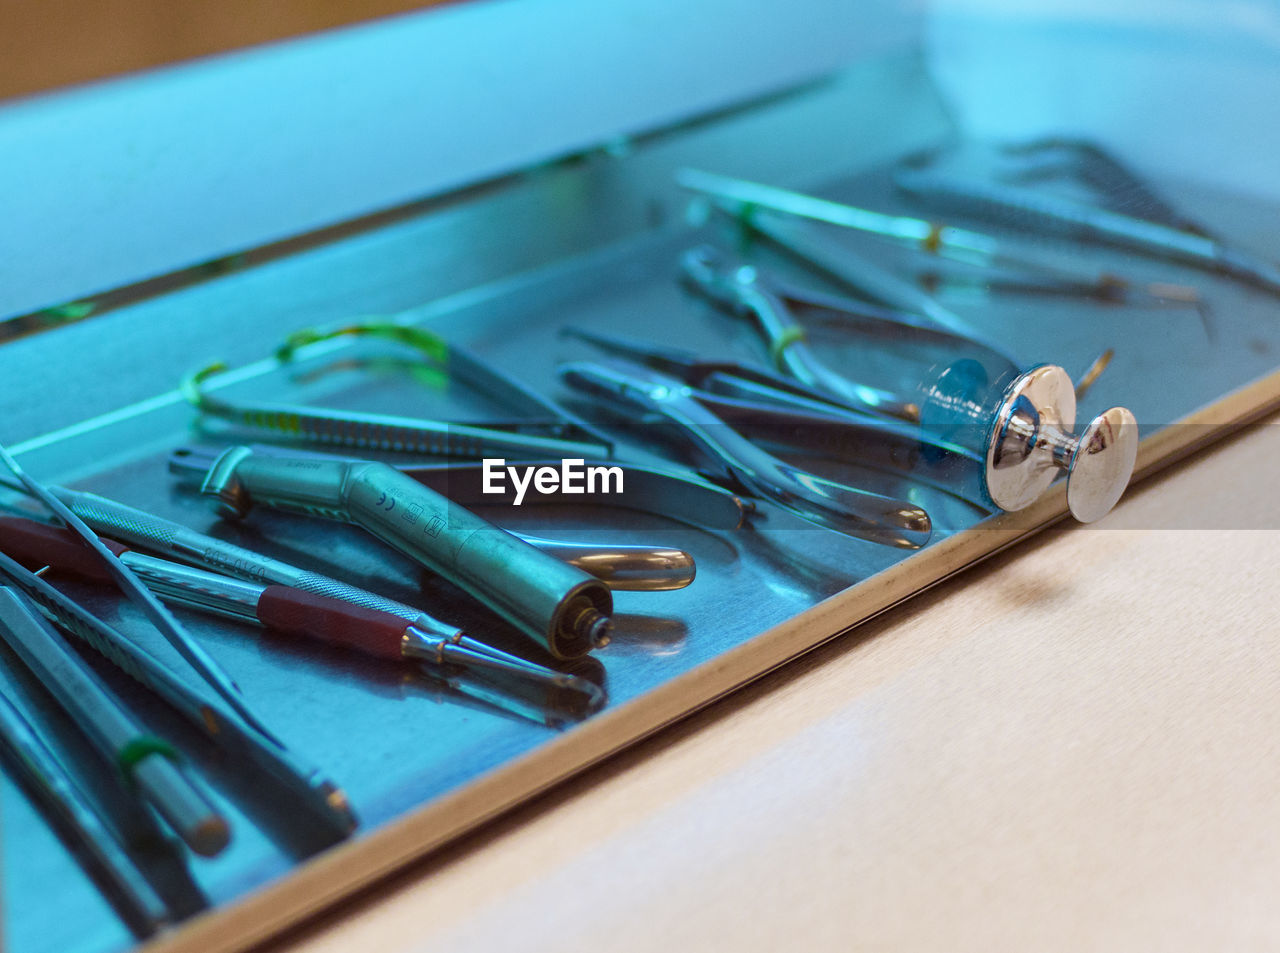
point(1074, 746)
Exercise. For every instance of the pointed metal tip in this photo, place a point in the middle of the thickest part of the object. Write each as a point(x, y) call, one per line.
point(339, 806)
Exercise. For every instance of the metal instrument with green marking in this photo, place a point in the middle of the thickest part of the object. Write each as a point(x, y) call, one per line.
point(149, 762)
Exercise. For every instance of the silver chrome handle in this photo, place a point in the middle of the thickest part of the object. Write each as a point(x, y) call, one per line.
point(1032, 441)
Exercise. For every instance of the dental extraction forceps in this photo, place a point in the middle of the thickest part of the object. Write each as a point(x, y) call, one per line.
point(782, 413)
point(742, 290)
point(631, 389)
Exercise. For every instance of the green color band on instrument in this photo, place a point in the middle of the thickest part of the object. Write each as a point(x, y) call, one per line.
point(141, 747)
point(790, 336)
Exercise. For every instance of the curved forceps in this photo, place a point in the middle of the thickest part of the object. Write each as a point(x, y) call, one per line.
point(630, 389)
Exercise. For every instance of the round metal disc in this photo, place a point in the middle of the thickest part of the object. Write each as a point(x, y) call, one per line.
point(1102, 464)
point(1049, 390)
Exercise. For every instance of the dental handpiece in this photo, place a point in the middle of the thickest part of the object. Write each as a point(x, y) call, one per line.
point(621, 566)
point(564, 608)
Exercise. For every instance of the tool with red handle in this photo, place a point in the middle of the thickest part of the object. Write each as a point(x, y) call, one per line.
point(287, 610)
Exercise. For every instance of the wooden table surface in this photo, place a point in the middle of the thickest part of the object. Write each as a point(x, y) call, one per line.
point(1074, 746)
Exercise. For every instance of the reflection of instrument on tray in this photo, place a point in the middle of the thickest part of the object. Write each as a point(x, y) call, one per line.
point(966, 392)
point(309, 615)
point(633, 390)
point(305, 788)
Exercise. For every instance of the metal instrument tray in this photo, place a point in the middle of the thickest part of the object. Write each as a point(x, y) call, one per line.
point(423, 765)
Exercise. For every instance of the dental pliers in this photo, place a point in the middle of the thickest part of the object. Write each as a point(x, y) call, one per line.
point(783, 415)
point(632, 390)
point(743, 290)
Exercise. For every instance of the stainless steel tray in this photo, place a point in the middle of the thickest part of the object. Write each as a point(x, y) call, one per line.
point(422, 766)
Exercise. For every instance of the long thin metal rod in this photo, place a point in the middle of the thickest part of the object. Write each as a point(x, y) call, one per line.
point(120, 739)
point(1075, 220)
point(69, 812)
point(200, 707)
point(137, 593)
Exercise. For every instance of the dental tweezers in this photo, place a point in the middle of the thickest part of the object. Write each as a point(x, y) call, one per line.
point(743, 290)
point(782, 413)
